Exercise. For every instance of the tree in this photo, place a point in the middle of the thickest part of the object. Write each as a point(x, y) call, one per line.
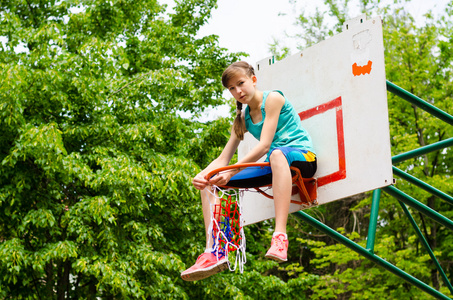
point(96, 161)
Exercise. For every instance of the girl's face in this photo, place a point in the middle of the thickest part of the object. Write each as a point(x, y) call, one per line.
point(242, 87)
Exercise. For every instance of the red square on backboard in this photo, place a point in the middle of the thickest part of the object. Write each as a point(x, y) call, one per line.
point(320, 109)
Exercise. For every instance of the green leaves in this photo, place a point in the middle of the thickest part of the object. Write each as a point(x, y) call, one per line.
point(96, 162)
point(43, 144)
point(13, 259)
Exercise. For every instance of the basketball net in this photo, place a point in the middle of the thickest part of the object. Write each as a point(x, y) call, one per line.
point(226, 226)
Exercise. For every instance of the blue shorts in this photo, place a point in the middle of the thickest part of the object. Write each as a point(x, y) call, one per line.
point(294, 154)
point(251, 177)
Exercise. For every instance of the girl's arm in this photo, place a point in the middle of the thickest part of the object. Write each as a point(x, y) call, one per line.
point(274, 104)
point(200, 182)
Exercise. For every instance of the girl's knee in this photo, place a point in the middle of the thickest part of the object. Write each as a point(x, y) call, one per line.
point(277, 155)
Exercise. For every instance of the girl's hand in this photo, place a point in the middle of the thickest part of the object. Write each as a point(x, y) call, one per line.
point(199, 182)
point(222, 178)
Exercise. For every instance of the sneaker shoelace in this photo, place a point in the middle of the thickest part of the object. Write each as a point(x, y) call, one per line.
point(279, 243)
point(204, 257)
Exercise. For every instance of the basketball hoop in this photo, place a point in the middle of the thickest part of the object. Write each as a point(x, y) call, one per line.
point(305, 187)
point(226, 224)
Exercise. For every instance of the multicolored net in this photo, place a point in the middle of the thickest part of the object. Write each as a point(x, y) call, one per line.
point(226, 226)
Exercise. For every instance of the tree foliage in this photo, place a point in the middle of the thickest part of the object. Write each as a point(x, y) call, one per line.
point(96, 161)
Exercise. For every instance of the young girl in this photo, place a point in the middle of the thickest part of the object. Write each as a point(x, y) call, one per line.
point(271, 119)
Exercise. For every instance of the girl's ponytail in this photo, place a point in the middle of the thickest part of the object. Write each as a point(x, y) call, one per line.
point(233, 69)
point(238, 124)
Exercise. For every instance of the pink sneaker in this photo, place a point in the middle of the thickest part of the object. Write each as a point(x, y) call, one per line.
point(279, 248)
point(206, 265)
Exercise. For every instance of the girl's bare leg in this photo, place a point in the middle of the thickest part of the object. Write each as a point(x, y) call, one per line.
point(281, 186)
point(206, 200)
point(207, 263)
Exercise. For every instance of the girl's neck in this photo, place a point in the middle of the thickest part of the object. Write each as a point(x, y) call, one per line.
point(257, 100)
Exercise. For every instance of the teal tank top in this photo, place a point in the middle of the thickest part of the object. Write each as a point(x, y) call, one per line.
point(289, 133)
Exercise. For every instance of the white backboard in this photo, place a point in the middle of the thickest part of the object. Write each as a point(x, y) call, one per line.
point(338, 87)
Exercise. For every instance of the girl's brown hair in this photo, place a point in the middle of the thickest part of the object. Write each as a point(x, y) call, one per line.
point(232, 70)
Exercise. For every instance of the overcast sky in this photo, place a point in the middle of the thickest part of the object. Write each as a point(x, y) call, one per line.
point(250, 25)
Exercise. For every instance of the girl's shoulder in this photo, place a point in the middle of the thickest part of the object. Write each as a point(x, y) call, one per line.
point(272, 92)
point(274, 99)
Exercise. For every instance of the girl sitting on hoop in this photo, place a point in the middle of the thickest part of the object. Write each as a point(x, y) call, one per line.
point(271, 119)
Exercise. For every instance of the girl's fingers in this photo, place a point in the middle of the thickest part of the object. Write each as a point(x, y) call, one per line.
point(220, 179)
point(199, 182)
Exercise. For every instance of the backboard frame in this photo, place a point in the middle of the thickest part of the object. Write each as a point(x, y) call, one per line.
point(338, 88)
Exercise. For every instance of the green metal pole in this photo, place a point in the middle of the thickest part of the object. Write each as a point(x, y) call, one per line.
point(373, 221)
point(392, 191)
point(422, 150)
point(427, 247)
point(423, 185)
point(374, 258)
point(393, 88)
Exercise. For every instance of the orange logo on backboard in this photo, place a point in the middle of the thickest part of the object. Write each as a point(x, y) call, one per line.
point(361, 70)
